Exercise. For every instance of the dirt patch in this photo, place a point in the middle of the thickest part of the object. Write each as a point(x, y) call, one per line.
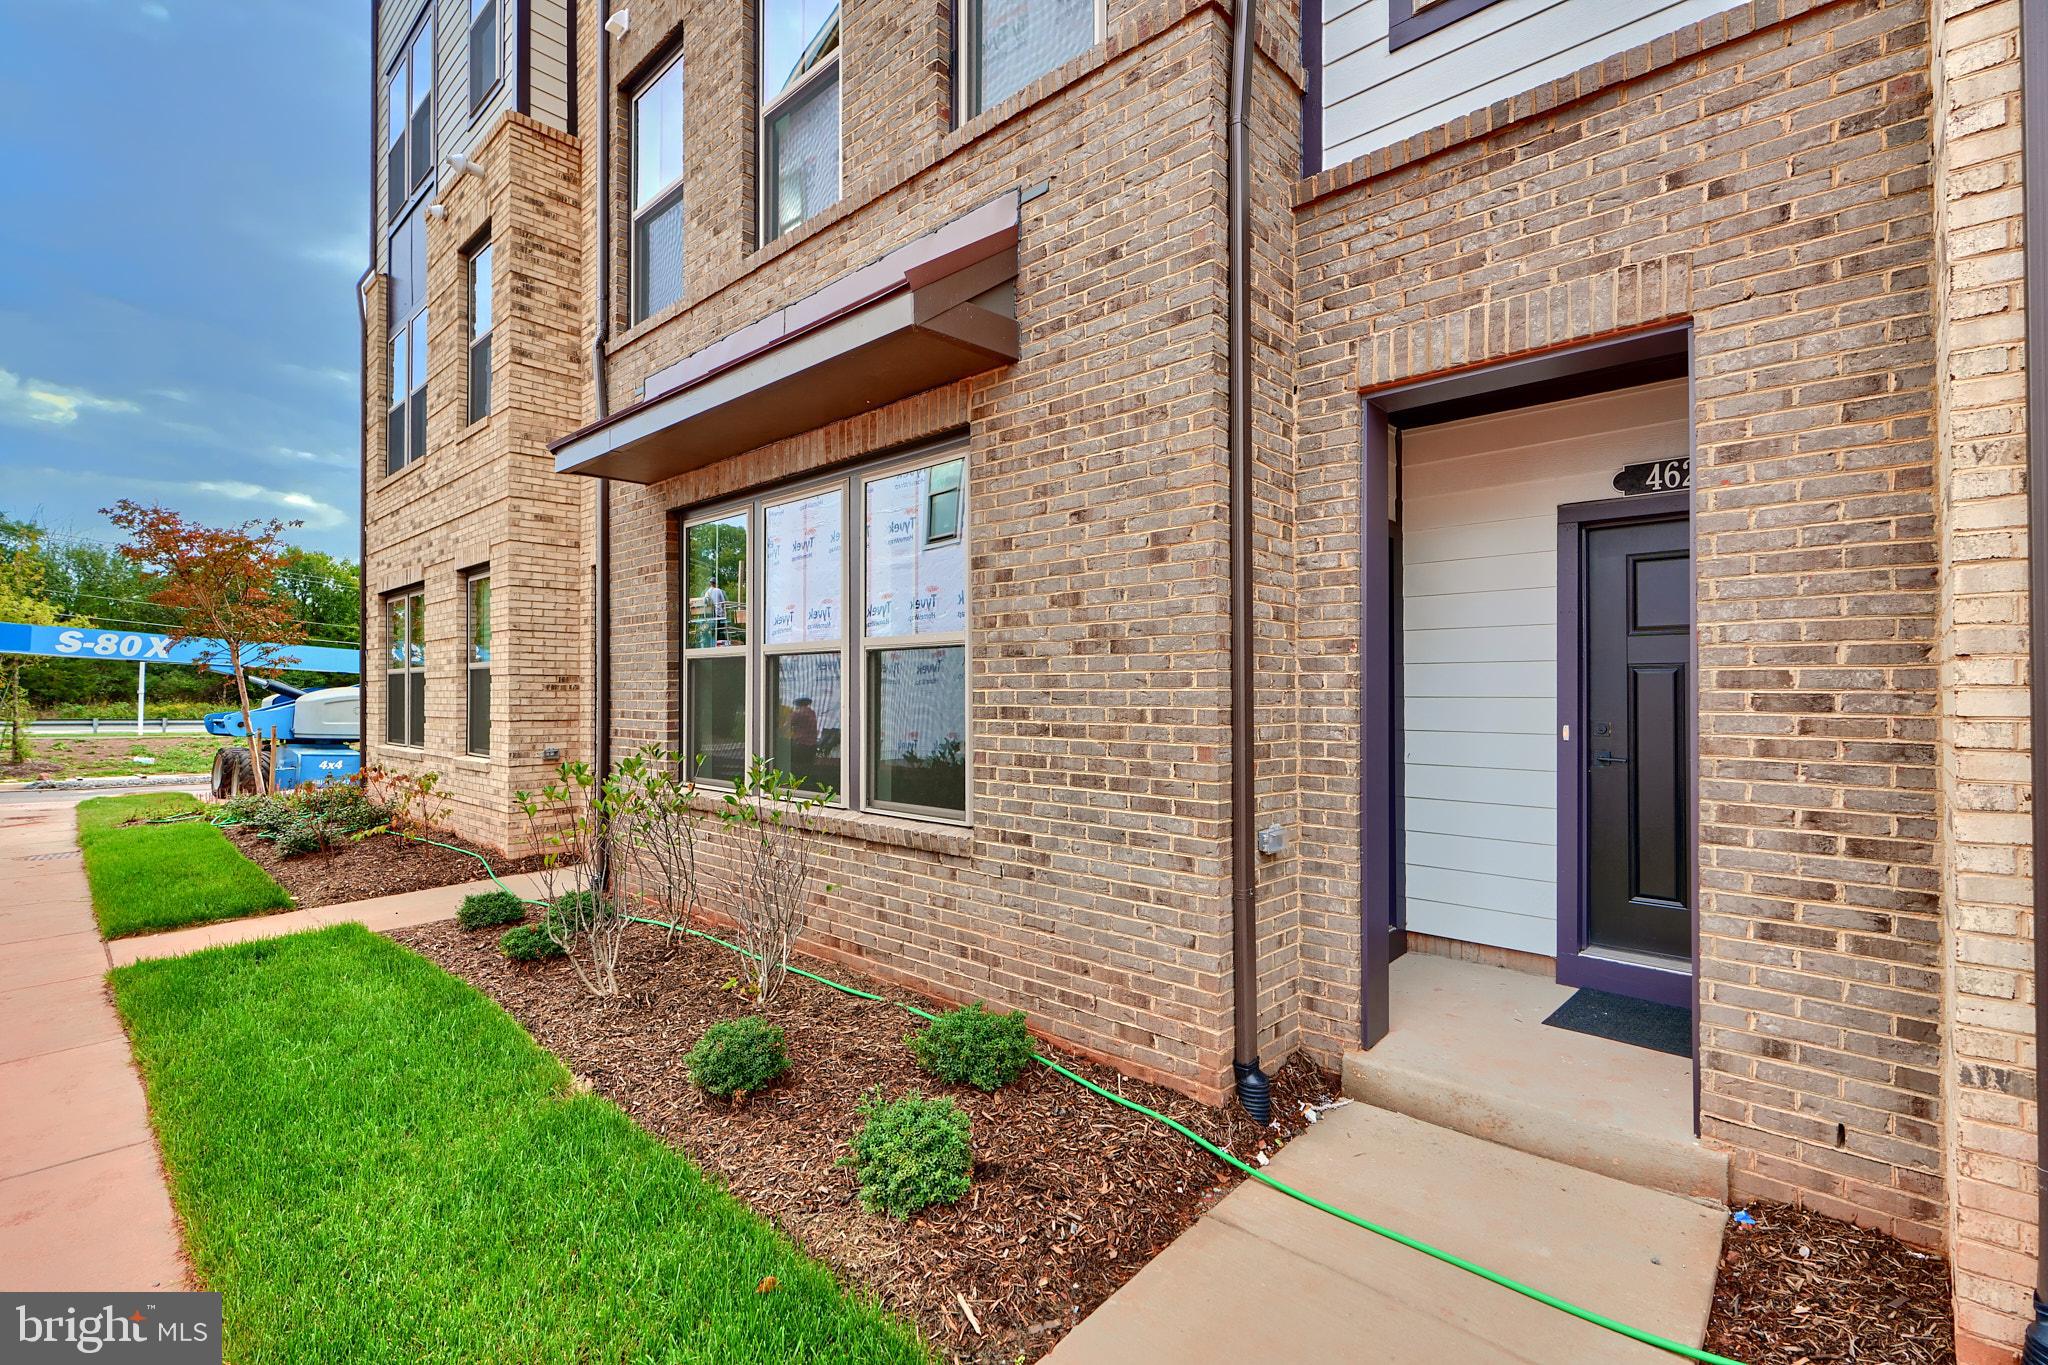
point(379, 865)
point(1072, 1194)
point(1799, 1288)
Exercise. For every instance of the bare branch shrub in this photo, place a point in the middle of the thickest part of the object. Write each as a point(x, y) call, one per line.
point(771, 816)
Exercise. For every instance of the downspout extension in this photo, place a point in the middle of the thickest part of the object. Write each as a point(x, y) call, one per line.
point(2034, 173)
point(601, 608)
point(1254, 1091)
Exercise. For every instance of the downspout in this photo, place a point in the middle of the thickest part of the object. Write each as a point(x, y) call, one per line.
point(601, 612)
point(363, 383)
point(2034, 176)
point(1254, 1092)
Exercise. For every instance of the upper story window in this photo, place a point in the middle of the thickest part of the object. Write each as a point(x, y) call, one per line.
point(658, 192)
point(480, 331)
point(409, 122)
point(406, 421)
point(1007, 44)
point(484, 49)
point(799, 112)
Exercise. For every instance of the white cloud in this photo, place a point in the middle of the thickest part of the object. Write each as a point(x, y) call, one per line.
point(312, 457)
point(159, 12)
point(35, 400)
point(283, 502)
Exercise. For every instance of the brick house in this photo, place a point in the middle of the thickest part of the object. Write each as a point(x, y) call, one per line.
point(1578, 447)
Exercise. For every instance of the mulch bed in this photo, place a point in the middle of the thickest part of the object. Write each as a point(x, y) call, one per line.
point(1800, 1288)
point(1072, 1194)
point(380, 865)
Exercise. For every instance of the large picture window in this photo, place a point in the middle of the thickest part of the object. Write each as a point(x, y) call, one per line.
point(799, 112)
point(406, 419)
point(1007, 44)
point(851, 671)
point(658, 192)
point(409, 123)
point(405, 676)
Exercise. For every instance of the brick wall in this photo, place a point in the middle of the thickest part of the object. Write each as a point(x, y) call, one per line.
point(486, 493)
point(1767, 178)
point(1093, 888)
point(1985, 781)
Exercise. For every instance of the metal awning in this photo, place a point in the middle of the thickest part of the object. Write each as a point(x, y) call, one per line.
point(939, 309)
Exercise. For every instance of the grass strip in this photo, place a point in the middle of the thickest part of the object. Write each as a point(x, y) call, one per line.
point(373, 1162)
point(150, 877)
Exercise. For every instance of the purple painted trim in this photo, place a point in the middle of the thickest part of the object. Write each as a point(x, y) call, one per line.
point(1378, 689)
point(968, 240)
point(1404, 25)
point(1312, 92)
point(1575, 967)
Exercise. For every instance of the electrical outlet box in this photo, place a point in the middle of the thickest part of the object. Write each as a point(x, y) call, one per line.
point(1272, 839)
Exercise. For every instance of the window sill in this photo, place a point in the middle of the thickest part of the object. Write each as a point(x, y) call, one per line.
point(394, 476)
point(867, 827)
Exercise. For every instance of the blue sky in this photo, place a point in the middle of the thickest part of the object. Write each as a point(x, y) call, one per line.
point(183, 218)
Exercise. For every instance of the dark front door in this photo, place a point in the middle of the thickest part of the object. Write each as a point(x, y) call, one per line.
point(1636, 713)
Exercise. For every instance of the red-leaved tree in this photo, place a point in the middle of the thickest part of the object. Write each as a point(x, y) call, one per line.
point(221, 584)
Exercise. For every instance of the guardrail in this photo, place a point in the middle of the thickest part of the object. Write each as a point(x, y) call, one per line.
point(114, 725)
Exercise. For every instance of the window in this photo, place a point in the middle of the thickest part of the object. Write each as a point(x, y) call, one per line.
point(658, 193)
point(483, 51)
point(853, 673)
point(1408, 20)
point(405, 678)
point(478, 704)
point(409, 123)
point(406, 421)
point(480, 332)
point(799, 112)
point(1007, 44)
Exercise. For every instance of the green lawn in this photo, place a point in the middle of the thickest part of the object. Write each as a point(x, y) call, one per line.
point(373, 1162)
point(114, 756)
point(150, 877)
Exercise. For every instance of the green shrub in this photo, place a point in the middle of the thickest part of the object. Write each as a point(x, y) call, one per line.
point(572, 910)
point(528, 943)
point(300, 834)
point(737, 1055)
point(910, 1154)
point(970, 1046)
point(490, 908)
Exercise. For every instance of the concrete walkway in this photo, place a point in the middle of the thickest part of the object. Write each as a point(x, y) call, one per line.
point(1263, 1277)
point(83, 1203)
point(82, 1198)
point(382, 915)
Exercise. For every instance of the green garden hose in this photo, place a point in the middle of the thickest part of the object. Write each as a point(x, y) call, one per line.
point(1676, 1348)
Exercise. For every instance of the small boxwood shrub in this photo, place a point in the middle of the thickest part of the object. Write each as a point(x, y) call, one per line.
point(910, 1153)
point(572, 911)
point(737, 1055)
point(970, 1046)
point(528, 943)
point(488, 908)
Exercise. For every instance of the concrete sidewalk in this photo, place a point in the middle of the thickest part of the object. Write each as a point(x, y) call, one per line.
point(1263, 1276)
point(380, 915)
point(82, 1198)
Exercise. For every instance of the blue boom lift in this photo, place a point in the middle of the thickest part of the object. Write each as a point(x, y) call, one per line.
point(310, 737)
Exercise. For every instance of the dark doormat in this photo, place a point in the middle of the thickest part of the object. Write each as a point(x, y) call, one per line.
point(1642, 1023)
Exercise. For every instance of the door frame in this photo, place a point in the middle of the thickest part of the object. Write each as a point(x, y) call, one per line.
point(1576, 966)
point(1617, 361)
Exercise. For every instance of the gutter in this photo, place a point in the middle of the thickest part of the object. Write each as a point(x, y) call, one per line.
point(2034, 174)
point(1254, 1091)
point(601, 611)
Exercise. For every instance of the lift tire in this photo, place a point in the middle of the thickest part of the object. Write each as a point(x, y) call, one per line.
point(240, 774)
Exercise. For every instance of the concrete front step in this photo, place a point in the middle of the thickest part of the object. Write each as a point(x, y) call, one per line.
point(1264, 1277)
point(1468, 1051)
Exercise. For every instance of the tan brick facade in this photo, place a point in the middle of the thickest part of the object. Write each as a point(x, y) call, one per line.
point(1824, 191)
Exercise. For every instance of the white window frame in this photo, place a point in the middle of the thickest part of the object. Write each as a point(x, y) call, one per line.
point(404, 69)
point(405, 660)
point(659, 201)
point(854, 646)
point(966, 72)
point(767, 109)
point(479, 249)
point(500, 11)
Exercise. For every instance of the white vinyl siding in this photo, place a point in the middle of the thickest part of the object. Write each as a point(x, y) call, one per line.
point(1373, 97)
point(550, 75)
point(1479, 640)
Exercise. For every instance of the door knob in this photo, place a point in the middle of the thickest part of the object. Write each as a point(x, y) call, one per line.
point(1605, 759)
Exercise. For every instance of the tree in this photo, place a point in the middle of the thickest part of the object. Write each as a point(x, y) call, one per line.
point(222, 585)
point(24, 599)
